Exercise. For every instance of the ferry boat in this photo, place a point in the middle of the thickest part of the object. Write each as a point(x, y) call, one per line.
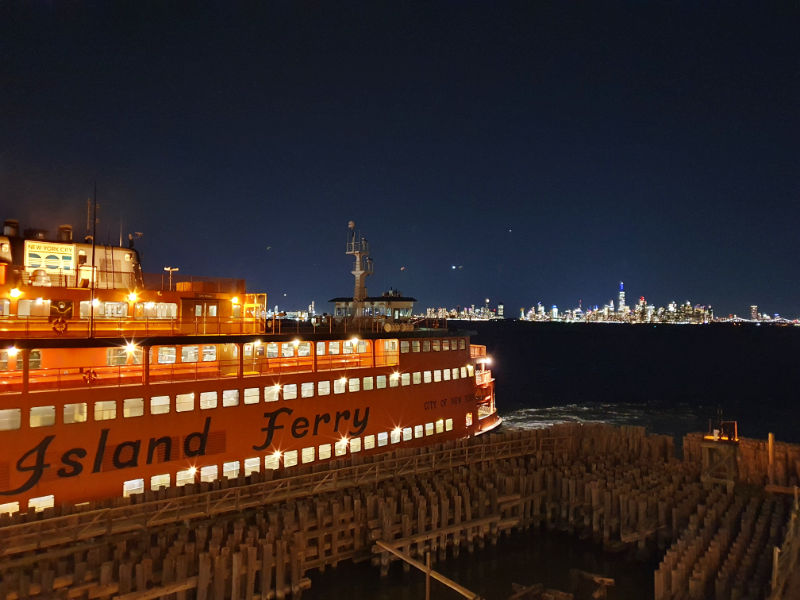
point(114, 382)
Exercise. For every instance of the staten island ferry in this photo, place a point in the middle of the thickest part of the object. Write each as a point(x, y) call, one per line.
point(114, 382)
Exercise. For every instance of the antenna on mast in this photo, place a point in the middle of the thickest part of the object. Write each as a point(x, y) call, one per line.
point(358, 246)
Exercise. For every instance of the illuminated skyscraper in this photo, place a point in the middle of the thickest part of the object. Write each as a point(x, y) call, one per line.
point(621, 307)
point(754, 312)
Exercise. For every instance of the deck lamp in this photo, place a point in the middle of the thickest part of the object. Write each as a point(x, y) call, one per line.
point(15, 293)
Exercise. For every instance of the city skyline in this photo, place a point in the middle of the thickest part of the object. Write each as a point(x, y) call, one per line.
point(540, 150)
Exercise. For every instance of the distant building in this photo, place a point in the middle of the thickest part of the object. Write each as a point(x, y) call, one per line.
point(754, 312)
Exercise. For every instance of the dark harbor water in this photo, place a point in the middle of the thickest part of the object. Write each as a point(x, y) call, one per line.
point(670, 379)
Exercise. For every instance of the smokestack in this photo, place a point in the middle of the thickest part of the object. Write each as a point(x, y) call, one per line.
point(65, 233)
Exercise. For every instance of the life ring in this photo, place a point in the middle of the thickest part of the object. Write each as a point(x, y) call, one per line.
point(90, 376)
point(60, 326)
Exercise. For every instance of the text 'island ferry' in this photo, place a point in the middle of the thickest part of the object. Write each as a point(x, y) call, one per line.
point(115, 382)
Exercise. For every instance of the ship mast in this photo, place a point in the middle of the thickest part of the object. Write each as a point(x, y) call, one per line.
point(358, 246)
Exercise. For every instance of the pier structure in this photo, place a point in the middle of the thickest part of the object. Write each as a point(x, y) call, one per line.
point(260, 537)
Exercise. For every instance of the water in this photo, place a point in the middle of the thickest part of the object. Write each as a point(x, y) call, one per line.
point(671, 380)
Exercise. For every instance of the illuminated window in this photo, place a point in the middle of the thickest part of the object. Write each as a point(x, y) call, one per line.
point(132, 407)
point(339, 386)
point(353, 384)
point(76, 413)
point(43, 502)
point(159, 405)
point(368, 383)
point(415, 345)
point(470, 371)
point(446, 374)
point(440, 426)
point(448, 425)
point(390, 345)
point(307, 389)
point(405, 378)
point(320, 348)
point(160, 481)
point(272, 461)
point(230, 469)
point(455, 372)
point(445, 345)
point(426, 346)
point(190, 354)
point(463, 372)
point(383, 438)
point(355, 445)
point(105, 410)
point(437, 375)
point(116, 357)
point(272, 350)
point(394, 380)
point(408, 433)
point(428, 428)
point(209, 473)
point(361, 347)
point(209, 353)
point(304, 349)
point(208, 400)
point(380, 380)
point(436, 345)
point(340, 448)
point(287, 350)
point(347, 347)
point(132, 486)
point(42, 416)
point(461, 345)
point(369, 442)
point(418, 433)
point(324, 451)
point(417, 378)
point(166, 354)
point(307, 455)
point(185, 477)
point(252, 465)
point(333, 347)
point(290, 458)
point(272, 393)
point(231, 397)
point(9, 508)
point(469, 419)
point(427, 376)
point(394, 436)
point(404, 346)
point(290, 391)
point(184, 402)
point(323, 388)
point(251, 395)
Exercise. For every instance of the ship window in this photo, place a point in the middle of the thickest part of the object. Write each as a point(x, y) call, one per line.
point(333, 347)
point(272, 393)
point(287, 350)
point(105, 410)
point(116, 357)
point(152, 310)
point(185, 477)
point(323, 388)
point(426, 346)
point(208, 400)
point(290, 391)
point(440, 426)
point(347, 347)
point(461, 345)
point(455, 372)
point(324, 451)
point(394, 435)
point(381, 381)
point(469, 419)
point(418, 431)
point(463, 372)
point(166, 354)
point(3, 360)
point(437, 375)
point(252, 465)
point(445, 345)
point(408, 433)
point(391, 345)
point(116, 309)
point(320, 348)
point(190, 354)
point(362, 347)
point(415, 345)
point(159, 481)
point(212, 310)
point(209, 473)
point(4, 310)
point(41, 503)
point(198, 310)
point(369, 442)
point(184, 402)
point(9, 508)
point(33, 308)
point(42, 416)
point(417, 377)
point(251, 395)
point(159, 405)
point(436, 344)
point(404, 347)
point(394, 379)
point(446, 374)
point(405, 379)
point(272, 461)
point(339, 385)
point(230, 469)
point(428, 428)
point(290, 458)
point(304, 349)
point(307, 389)
point(133, 407)
point(340, 447)
point(231, 397)
point(353, 384)
point(34, 360)
point(428, 376)
point(471, 370)
point(272, 350)
point(76, 413)
point(383, 438)
point(132, 486)
point(448, 425)
point(368, 383)
point(355, 445)
point(209, 353)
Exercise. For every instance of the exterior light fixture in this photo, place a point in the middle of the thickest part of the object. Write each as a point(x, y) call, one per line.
point(95, 302)
point(12, 351)
point(130, 347)
point(132, 297)
point(15, 293)
point(235, 300)
point(192, 471)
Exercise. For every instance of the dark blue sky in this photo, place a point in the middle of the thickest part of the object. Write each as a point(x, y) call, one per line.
point(551, 149)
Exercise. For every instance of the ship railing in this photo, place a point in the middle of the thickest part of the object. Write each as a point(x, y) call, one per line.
point(483, 377)
point(477, 351)
point(786, 557)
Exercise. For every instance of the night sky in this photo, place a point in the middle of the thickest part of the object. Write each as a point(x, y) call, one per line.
point(547, 150)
